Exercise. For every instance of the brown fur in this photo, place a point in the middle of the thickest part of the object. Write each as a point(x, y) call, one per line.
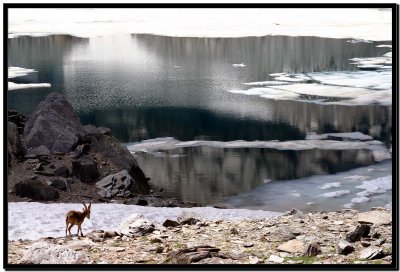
point(76, 218)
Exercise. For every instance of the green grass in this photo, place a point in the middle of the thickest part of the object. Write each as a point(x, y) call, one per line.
point(305, 259)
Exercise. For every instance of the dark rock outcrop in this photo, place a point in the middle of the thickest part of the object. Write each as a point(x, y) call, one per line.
point(53, 124)
point(361, 231)
point(36, 190)
point(107, 148)
point(85, 169)
point(14, 145)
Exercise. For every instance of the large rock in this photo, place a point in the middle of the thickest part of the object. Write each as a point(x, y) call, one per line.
point(371, 253)
point(53, 124)
point(188, 218)
point(343, 247)
point(119, 184)
point(14, 144)
point(375, 217)
point(361, 231)
point(45, 253)
point(107, 148)
point(135, 225)
point(292, 246)
point(85, 169)
point(36, 190)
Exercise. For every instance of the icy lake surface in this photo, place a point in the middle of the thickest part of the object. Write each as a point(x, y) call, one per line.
point(258, 109)
point(36, 220)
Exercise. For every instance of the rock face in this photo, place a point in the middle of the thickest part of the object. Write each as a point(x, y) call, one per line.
point(107, 148)
point(85, 169)
point(14, 145)
point(53, 124)
point(36, 190)
point(119, 184)
point(135, 225)
point(45, 253)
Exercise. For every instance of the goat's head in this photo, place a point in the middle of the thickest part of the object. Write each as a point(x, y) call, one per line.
point(86, 210)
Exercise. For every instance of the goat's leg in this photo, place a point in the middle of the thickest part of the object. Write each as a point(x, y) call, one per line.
point(80, 227)
point(66, 229)
point(69, 229)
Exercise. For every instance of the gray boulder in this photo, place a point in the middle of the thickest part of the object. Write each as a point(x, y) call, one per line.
point(53, 124)
point(39, 151)
point(119, 184)
point(45, 253)
point(189, 218)
point(36, 190)
point(135, 225)
point(107, 148)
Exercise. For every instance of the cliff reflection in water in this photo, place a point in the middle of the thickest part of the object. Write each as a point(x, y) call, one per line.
point(208, 175)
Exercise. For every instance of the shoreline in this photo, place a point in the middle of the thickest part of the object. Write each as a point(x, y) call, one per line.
point(284, 239)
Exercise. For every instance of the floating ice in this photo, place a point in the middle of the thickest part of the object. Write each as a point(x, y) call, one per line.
point(239, 65)
point(375, 186)
point(14, 72)
point(360, 24)
point(344, 135)
point(263, 83)
point(159, 144)
point(336, 193)
point(356, 177)
point(24, 222)
point(348, 205)
point(18, 86)
point(384, 45)
point(330, 185)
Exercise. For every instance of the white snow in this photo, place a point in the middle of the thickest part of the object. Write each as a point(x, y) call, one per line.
point(33, 220)
point(358, 23)
point(336, 193)
point(14, 72)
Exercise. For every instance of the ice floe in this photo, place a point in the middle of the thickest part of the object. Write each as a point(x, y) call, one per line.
point(25, 222)
point(14, 72)
point(239, 65)
point(379, 151)
point(344, 136)
point(362, 25)
point(336, 193)
point(331, 185)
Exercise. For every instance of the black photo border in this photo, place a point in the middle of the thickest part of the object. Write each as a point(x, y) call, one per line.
point(395, 191)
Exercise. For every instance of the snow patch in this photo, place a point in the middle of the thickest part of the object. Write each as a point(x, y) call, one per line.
point(24, 221)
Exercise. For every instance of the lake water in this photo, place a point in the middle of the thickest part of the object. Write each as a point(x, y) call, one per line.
point(147, 87)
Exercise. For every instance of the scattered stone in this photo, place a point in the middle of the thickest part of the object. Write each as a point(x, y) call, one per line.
point(375, 217)
point(281, 234)
point(59, 184)
point(313, 249)
point(189, 218)
point(343, 247)
point(45, 253)
point(135, 225)
point(361, 231)
point(61, 171)
point(292, 246)
point(254, 260)
point(325, 217)
point(275, 259)
point(85, 169)
point(234, 231)
point(81, 150)
point(248, 244)
point(371, 253)
point(170, 223)
point(142, 202)
point(120, 183)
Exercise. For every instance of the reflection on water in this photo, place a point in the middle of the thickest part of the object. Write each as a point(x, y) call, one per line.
point(146, 86)
point(207, 175)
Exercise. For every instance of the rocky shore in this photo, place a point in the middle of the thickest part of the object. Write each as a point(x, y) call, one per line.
point(52, 157)
point(342, 237)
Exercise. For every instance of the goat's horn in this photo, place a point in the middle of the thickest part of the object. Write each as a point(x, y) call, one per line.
point(84, 205)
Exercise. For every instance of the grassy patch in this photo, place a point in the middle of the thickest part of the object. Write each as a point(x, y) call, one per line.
point(305, 259)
